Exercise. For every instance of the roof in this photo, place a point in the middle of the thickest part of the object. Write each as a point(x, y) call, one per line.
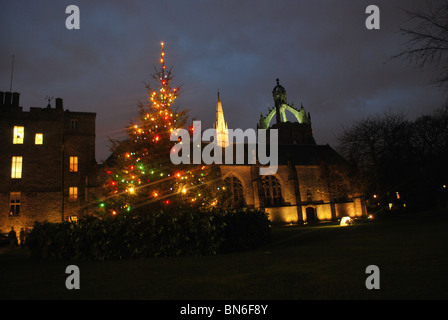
point(308, 155)
point(297, 154)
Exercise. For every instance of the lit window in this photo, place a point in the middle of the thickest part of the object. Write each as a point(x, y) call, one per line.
point(16, 168)
point(72, 218)
point(73, 193)
point(73, 164)
point(39, 138)
point(14, 203)
point(19, 133)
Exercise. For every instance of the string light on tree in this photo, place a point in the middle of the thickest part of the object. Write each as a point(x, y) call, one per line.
point(143, 173)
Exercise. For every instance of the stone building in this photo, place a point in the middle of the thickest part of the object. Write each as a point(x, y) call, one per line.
point(47, 163)
point(312, 181)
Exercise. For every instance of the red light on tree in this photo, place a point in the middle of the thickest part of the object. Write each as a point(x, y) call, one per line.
point(142, 160)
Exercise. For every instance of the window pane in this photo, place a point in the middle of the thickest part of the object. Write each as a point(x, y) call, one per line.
point(74, 124)
point(73, 193)
point(14, 203)
point(272, 191)
point(16, 168)
point(236, 188)
point(73, 164)
point(18, 135)
point(39, 138)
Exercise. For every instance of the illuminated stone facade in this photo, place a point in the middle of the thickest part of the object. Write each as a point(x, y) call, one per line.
point(47, 164)
point(312, 182)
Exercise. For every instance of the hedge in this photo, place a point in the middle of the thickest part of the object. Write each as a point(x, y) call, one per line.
point(161, 234)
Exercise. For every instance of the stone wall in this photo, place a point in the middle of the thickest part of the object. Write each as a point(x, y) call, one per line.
point(45, 167)
point(305, 194)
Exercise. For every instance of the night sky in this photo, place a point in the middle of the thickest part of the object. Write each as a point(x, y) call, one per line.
point(320, 50)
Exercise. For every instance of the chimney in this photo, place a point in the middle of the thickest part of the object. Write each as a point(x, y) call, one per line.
point(59, 104)
point(15, 99)
point(7, 99)
point(2, 98)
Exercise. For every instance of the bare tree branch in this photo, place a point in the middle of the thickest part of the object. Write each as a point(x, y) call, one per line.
point(427, 38)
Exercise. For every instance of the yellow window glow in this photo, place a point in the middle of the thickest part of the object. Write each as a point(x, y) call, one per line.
point(39, 138)
point(73, 193)
point(18, 135)
point(72, 219)
point(16, 168)
point(73, 164)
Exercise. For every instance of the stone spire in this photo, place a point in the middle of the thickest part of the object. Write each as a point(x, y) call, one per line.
point(222, 132)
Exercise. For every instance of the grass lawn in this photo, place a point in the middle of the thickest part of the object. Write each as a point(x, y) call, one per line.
point(317, 262)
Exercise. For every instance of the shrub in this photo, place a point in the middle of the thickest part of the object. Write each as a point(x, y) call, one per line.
point(244, 229)
point(184, 232)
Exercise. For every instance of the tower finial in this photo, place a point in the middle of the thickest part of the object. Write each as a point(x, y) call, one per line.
point(48, 98)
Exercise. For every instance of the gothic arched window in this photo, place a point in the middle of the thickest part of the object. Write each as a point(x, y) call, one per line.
point(236, 189)
point(271, 191)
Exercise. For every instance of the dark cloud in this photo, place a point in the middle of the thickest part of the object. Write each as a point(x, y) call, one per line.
point(321, 51)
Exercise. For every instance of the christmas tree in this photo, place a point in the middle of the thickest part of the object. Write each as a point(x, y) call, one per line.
point(142, 177)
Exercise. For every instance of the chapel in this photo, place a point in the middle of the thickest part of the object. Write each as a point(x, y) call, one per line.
point(312, 182)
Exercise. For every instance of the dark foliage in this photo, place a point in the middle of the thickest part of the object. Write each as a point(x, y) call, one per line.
point(401, 161)
point(243, 229)
point(185, 232)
